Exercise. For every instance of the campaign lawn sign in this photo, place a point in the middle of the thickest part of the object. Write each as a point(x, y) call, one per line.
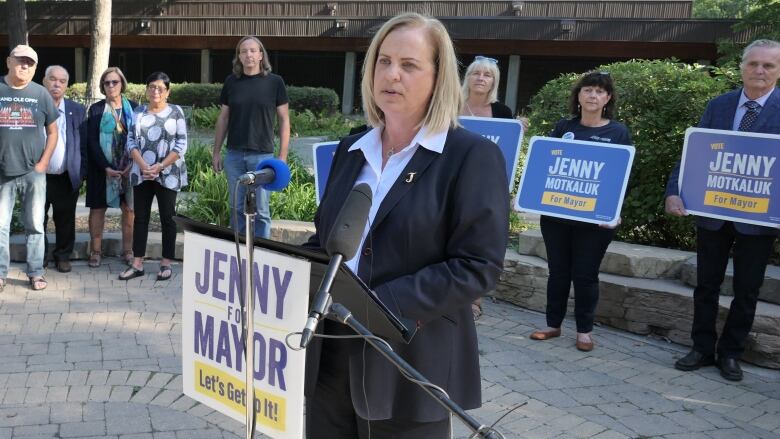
point(730, 175)
point(323, 153)
point(575, 179)
point(506, 133)
point(212, 340)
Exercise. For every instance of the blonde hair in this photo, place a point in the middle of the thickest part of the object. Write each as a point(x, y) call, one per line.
point(238, 68)
point(485, 65)
point(445, 102)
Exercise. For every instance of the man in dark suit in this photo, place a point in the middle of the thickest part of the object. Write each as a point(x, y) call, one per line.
point(753, 108)
point(67, 167)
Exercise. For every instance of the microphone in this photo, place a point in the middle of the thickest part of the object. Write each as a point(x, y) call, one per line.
point(270, 174)
point(342, 244)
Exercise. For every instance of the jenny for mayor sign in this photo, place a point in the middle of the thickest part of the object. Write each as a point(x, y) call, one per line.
point(212, 341)
point(506, 133)
point(730, 175)
point(575, 179)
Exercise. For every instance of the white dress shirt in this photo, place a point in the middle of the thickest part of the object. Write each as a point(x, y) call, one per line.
point(381, 180)
point(57, 161)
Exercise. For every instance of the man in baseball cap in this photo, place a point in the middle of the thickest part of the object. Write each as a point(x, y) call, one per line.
point(28, 137)
point(25, 51)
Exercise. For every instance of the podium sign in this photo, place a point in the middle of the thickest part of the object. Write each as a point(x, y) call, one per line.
point(575, 179)
point(212, 341)
point(506, 133)
point(731, 175)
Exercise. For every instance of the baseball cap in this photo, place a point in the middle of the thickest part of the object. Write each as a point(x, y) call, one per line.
point(26, 51)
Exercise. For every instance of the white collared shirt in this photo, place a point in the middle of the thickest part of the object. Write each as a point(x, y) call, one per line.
point(381, 180)
point(57, 161)
point(742, 109)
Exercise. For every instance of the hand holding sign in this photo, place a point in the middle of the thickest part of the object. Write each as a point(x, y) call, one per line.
point(674, 206)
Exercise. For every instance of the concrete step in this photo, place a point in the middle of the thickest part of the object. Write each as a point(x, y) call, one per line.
point(663, 307)
point(770, 290)
point(622, 259)
point(292, 232)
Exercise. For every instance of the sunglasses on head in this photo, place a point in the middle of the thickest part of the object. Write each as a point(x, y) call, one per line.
point(111, 83)
point(485, 58)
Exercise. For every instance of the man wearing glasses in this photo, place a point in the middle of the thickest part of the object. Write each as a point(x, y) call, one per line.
point(28, 137)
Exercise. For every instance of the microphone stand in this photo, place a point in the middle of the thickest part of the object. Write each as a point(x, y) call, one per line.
point(250, 209)
point(343, 315)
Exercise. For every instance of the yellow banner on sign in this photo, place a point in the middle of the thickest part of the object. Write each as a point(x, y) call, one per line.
point(736, 202)
point(567, 201)
point(228, 390)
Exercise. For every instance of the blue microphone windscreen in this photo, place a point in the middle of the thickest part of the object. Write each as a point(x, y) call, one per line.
point(281, 170)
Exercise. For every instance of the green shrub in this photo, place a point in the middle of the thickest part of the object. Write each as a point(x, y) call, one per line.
point(658, 100)
point(195, 95)
point(307, 123)
point(205, 117)
point(298, 201)
point(316, 99)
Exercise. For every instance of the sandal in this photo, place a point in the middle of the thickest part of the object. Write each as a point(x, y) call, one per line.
point(95, 259)
point(131, 273)
point(476, 309)
point(128, 256)
point(163, 269)
point(38, 283)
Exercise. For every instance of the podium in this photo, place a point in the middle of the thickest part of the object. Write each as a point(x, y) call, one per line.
point(212, 336)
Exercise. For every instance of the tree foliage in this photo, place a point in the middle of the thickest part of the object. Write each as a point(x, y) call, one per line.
point(761, 21)
point(721, 8)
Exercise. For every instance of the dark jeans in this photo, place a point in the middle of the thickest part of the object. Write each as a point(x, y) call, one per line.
point(574, 253)
point(144, 193)
point(62, 199)
point(330, 414)
point(751, 253)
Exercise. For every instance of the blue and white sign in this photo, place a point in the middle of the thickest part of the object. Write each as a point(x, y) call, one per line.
point(506, 133)
point(323, 153)
point(575, 179)
point(730, 175)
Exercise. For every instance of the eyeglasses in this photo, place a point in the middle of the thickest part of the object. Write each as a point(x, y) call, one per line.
point(111, 83)
point(485, 58)
point(156, 89)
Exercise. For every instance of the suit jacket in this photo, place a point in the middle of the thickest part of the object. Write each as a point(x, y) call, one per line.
point(719, 115)
point(75, 142)
point(435, 245)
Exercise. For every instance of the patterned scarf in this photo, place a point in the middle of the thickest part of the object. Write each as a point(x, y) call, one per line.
point(113, 139)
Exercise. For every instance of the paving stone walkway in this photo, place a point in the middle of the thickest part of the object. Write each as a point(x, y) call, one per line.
point(95, 357)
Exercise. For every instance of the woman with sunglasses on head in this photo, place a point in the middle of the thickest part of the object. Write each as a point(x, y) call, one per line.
point(480, 90)
point(108, 181)
point(574, 248)
point(156, 146)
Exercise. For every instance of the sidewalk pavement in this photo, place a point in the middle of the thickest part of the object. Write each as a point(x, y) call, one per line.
point(95, 357)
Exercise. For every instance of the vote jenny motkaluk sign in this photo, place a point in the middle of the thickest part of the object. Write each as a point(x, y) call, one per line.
point(730, 175)
point(212, 340)
point(575, 179)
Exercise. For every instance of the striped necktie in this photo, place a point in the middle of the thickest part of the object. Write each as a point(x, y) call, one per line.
point(750, 116)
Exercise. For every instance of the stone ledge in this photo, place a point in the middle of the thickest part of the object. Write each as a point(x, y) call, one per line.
point(291, 232)
point(641, 306)
point(622, 259)
point(770, 290)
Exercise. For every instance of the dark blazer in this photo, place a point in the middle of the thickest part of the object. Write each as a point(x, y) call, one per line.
point(96, 171)
point(75, 142)
point(436, 244)
point(719, 115)
point(500, 111)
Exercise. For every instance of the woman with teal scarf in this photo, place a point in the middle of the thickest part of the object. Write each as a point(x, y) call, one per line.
point(108, 178)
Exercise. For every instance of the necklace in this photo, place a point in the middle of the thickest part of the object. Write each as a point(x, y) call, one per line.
point(469, 108)
point(391, 152)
